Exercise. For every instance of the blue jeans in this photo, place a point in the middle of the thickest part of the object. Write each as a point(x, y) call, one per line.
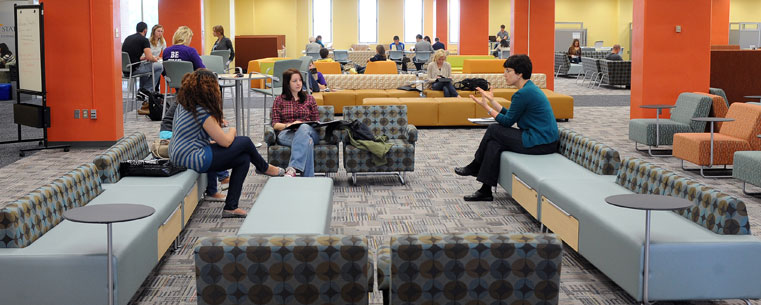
point(301, 142)
point(213, 177)
point(238, 156)
point(448, 88)
point(145, 81)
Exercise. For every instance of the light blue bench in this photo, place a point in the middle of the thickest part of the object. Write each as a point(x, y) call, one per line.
point(48, 260)
point(703, 252)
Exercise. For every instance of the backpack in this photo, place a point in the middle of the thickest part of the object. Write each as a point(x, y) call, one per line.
point(155, 106)
point(470, 84)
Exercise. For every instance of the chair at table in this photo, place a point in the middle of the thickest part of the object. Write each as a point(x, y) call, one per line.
point(396, 56)
point(276, 87)
point(738, 135)
point(615, 72)
point(719, 107)
point(174, 70)
point(215, 63)
point(225, 54)
point(131, 76)
point(688, 106)
point(390, 121)
point(422, 57)
point(315, 56)
point(381, 67)
point(589, 66)
point(325, 152)
point(341, 56)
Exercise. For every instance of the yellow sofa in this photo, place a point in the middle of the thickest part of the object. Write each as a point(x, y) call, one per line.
point(457, 61)
point(483, 66)
point(437, 111)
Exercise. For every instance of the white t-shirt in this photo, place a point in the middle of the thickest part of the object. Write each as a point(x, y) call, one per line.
point(156, 49)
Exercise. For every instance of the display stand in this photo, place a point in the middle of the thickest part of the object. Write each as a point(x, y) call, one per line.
point(30, 60)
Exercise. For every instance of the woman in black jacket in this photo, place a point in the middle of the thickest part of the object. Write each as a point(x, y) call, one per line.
point(223, 43)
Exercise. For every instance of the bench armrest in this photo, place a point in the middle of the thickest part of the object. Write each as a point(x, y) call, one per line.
point(270, 136)
point(411, 133)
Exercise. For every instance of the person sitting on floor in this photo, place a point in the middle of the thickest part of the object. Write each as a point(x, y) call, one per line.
point(440, 72)
point(537, 132)
point(295, 106)
point(199, 118)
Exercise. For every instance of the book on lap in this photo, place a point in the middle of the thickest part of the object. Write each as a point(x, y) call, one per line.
point(314, 124)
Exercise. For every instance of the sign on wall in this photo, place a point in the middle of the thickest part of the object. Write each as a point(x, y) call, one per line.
point(7, 32)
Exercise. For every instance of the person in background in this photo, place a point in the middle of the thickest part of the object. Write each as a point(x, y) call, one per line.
point(574, 52)
point(503, 35)
point(295, 106)
point(223, 177)
point(198, 119)
point(137, 46)
point(421, 46)
point(158, 44)
point(399, 46)
point(312, 46)
point(180, 51)
point(223, 43)
point(317, 82)
point(324, 53)
point(440, 72)
point(380, 55)
point(318, 40)
point(503, 46)
point(428, 39)
point(537, 132)
point(438, 45)
point(6, 56)
point(615, 53)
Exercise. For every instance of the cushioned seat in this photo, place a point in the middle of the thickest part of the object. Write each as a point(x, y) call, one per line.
point(184, 181)
point(483, 66)
point(361, 94)
point(401, 93)
point(339, 99)
point(645, 129)
point(440, 93)
point(325, 152)
point(506, 93)
point(746, 167)
point(688, 106)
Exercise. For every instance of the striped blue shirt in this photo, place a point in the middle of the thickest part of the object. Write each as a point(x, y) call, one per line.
point(190, 142)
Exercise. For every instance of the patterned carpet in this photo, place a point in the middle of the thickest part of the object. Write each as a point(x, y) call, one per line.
point(431, 201)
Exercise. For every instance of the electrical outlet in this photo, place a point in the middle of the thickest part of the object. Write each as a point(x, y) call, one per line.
point(76, 113)
point(93, 114)
point(84, 113)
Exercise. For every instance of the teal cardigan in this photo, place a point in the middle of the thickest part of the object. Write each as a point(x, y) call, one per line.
point(530, 108)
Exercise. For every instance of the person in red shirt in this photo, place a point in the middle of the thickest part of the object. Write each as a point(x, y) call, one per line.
point(295, 106)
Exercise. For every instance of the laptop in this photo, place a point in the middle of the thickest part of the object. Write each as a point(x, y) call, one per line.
point(492, 38)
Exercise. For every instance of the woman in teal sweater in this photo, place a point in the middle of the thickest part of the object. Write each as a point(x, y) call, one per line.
point(537, 132)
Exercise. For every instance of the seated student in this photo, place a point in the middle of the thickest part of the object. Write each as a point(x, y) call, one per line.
point(421, 46)
point(317, 82)
point(503, 35)
point(312, 46)
point(537, 132)
point(399, 46)
point(503, 46)
point(574, 52)
point(137, 47)
point(615, 53)
point(427, 39)
point(440, 72)
point(318, 40)
point(180, 50)
point(292, 107)
point(380, 55)
point(324, 53)
point(198, 118)
point(438, 45)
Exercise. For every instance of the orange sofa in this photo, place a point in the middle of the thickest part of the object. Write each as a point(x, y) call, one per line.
point(437, 111)
point(483, 66)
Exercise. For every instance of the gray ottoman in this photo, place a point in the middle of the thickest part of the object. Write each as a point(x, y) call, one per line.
point(747, 167)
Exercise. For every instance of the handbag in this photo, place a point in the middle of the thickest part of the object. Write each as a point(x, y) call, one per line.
point(149, 168)
point(160, 148)
point(443, 80)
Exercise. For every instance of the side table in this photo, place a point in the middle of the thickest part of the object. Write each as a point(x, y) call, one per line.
point(659, 110)
point(710, 120)
point(109, 214)
point(647, 203)
point(753, 97)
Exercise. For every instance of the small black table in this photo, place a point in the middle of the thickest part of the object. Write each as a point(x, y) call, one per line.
point(648, 203)
point(109, 214)
point(711, 120)
point(659, 108)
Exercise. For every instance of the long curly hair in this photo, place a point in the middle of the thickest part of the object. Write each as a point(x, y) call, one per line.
point(201, 88)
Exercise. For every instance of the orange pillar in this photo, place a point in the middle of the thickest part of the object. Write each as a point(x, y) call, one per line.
point(442, 21)
point(532, 28)
point(83, 70)
point(666, 63)
point(719, 22)
point(176, 13)
point(474, 27)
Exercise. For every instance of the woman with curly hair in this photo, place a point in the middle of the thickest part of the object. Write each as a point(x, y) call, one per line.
point(198, 119)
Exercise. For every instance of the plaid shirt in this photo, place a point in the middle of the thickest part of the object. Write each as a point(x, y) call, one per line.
point(285, 111)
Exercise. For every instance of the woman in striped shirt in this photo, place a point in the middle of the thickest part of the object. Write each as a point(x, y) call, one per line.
point(198, 120)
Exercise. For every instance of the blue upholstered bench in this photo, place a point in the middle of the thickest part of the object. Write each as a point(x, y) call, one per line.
point(703, 252)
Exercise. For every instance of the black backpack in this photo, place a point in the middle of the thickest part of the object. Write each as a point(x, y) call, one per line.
point(155, 106)
point(470, 84)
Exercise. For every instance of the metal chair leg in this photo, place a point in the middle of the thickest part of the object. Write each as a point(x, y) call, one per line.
point(650, 151)
point(745, 191)
point(354, 178)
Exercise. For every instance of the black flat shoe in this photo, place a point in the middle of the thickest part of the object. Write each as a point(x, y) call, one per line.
point(479, 196)
point(465, 171)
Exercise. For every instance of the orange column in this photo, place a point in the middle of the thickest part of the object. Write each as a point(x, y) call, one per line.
point(532, 28)
point(83, 70)
point(442, 21)
point(176, 13)
point(666, 63)
point(474, 27)
point(719, 22)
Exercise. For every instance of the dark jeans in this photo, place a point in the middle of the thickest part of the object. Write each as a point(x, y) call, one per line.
point(237, 157)
point(447, 87)
point(213, 177)
point(497, 139)
point(574, 60)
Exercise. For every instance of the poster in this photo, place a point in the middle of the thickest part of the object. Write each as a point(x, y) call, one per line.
point(7, 32)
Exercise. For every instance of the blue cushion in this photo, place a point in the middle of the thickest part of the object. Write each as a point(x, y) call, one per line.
point(185, 180)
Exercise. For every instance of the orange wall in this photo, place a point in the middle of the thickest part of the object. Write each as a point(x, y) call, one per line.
point(442, 23)
point(662, 67)
point(536, 39)
point(474, 27)
point(86, 73)
point(719, 22)
point(176, 13)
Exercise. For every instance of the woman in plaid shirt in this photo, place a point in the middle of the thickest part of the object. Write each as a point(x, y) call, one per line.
point(295, 106)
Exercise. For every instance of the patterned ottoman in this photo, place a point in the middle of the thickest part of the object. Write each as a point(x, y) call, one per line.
point(747, 167)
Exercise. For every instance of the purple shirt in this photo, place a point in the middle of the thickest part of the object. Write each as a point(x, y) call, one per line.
point(180, 52)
